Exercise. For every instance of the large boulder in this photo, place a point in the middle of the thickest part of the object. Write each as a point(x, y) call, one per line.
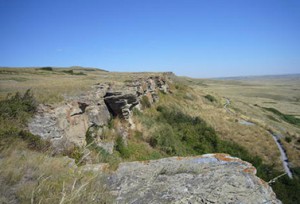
point(210, 178)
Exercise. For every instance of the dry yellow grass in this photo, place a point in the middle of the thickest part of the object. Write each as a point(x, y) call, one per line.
point(247, 99)
point(54, 86)
point(31, 177)
point(255, 139)
point(50, 87)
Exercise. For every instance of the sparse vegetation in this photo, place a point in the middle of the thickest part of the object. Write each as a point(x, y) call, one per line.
point(145, 102)
point(210, 98)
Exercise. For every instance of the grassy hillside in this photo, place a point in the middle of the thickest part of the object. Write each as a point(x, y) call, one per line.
point(190, 121)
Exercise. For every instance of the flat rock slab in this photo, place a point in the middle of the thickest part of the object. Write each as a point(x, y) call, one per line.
point(210, 178)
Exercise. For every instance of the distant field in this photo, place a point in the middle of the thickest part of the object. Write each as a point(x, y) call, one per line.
point(53, 85)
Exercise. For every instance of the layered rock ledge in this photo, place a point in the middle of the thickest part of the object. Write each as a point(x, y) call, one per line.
point(67, 124)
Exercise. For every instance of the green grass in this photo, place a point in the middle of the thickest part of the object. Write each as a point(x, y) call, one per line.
point(177, 134)
point(210, 98)
point(72, 72)
point(46, 68)
point(28, 172)
point(288, 118)
point(145, 102)
point(15, 111)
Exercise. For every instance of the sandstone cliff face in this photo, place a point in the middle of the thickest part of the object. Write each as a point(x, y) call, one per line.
point(67, 124)
point(210, 178)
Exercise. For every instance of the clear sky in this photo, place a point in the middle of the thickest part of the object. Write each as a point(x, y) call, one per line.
point(197, 38)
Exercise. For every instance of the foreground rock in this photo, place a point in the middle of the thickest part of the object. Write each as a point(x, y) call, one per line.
point(210, 178)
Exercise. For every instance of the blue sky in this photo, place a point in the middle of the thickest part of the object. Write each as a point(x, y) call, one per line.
point(197, 38)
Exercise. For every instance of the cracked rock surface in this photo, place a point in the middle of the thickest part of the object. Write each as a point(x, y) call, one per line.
point(210, 178)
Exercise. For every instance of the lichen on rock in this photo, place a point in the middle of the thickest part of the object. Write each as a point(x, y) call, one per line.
point(210, 178)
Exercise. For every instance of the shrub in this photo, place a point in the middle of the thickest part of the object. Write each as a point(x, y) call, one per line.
point(19, 108)
point(68, 71)
point(46, 68)
point(288, 139)
point(72, 72)
point(210, 98)
point(15, 112)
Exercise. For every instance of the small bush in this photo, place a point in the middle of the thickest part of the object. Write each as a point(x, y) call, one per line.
point(46, 68)
point(15, 112)
point(210, 98)
point(72, 72)
point(68, 71)
point(288, 139)
point(18, 107)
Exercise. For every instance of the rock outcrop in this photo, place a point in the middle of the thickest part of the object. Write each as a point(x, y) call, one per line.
point(151, 87)
point(67, 124)
point(210, 178)
point(120, 104)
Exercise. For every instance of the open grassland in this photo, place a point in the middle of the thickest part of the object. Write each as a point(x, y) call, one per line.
point(52, 86)
point(270, 102)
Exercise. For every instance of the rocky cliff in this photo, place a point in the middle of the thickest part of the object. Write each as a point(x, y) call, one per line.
point(210, 178)
point(67, 124)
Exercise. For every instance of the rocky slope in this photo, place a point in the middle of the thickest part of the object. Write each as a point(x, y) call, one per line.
point(210, 178)
point(67, 124)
